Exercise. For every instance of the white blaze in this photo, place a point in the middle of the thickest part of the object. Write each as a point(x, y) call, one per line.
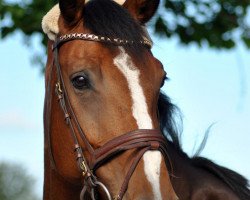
point(152, 159)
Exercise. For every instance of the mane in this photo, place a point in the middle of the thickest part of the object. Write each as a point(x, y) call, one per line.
point(109, 19)
point(169, 127)
point(235, 181)
point(170, 121)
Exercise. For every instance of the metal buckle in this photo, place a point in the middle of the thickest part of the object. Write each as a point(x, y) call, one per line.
point(95, 185)
point(104, 189)
point(58, 87)
point(84, 168)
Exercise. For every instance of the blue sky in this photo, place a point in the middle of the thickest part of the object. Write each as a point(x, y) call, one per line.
point(206, 84)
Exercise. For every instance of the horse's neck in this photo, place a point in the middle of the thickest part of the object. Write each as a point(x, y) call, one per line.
point(179, 177)
point(195, 183)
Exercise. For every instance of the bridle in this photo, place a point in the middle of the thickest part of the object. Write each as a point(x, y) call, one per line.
point(141, 140)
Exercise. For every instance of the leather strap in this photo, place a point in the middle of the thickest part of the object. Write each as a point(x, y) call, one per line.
point(92, 37)
point(140, 140)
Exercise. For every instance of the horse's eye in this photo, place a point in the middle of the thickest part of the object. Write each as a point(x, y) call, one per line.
point(163, 81)
point(80, 82)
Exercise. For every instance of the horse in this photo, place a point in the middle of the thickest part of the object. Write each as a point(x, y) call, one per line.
point(102, 133)
point(109, 131)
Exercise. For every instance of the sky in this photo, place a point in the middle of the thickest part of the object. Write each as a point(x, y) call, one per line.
point(209, 87)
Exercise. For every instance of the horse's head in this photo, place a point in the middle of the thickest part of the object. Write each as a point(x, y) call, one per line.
point(111, 88)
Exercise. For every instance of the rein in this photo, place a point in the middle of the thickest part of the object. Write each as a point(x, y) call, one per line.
point(141, 140)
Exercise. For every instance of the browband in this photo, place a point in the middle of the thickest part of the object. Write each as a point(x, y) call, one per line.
point(92, 37)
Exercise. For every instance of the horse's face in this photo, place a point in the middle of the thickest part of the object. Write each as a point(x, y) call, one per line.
point(111, 91)
point(114, 90)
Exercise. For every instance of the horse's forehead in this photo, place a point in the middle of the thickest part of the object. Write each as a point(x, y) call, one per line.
point(50, 20)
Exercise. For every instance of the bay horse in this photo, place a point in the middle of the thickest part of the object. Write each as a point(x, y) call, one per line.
point(102, 133)
point(104, 114)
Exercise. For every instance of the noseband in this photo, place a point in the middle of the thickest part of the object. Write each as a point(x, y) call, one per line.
point(141, 140)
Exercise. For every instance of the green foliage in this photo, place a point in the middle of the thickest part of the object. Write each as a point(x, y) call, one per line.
point(15, 183)
point(25, 16)
point(212, 22)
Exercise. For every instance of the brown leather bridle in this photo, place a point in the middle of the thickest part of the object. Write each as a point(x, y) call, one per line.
point(141, 140)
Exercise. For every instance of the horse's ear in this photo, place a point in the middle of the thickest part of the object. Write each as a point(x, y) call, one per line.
point(71, 10)
point(142, 10)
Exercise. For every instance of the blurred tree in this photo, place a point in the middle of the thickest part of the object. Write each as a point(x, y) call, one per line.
point(25, 15)
point(15, 183)
point(213, 22)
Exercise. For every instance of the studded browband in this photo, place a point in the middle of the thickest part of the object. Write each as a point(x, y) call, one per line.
point(92, 37)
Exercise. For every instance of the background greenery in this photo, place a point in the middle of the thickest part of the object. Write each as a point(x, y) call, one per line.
point(15, 183)
point(211, 22)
